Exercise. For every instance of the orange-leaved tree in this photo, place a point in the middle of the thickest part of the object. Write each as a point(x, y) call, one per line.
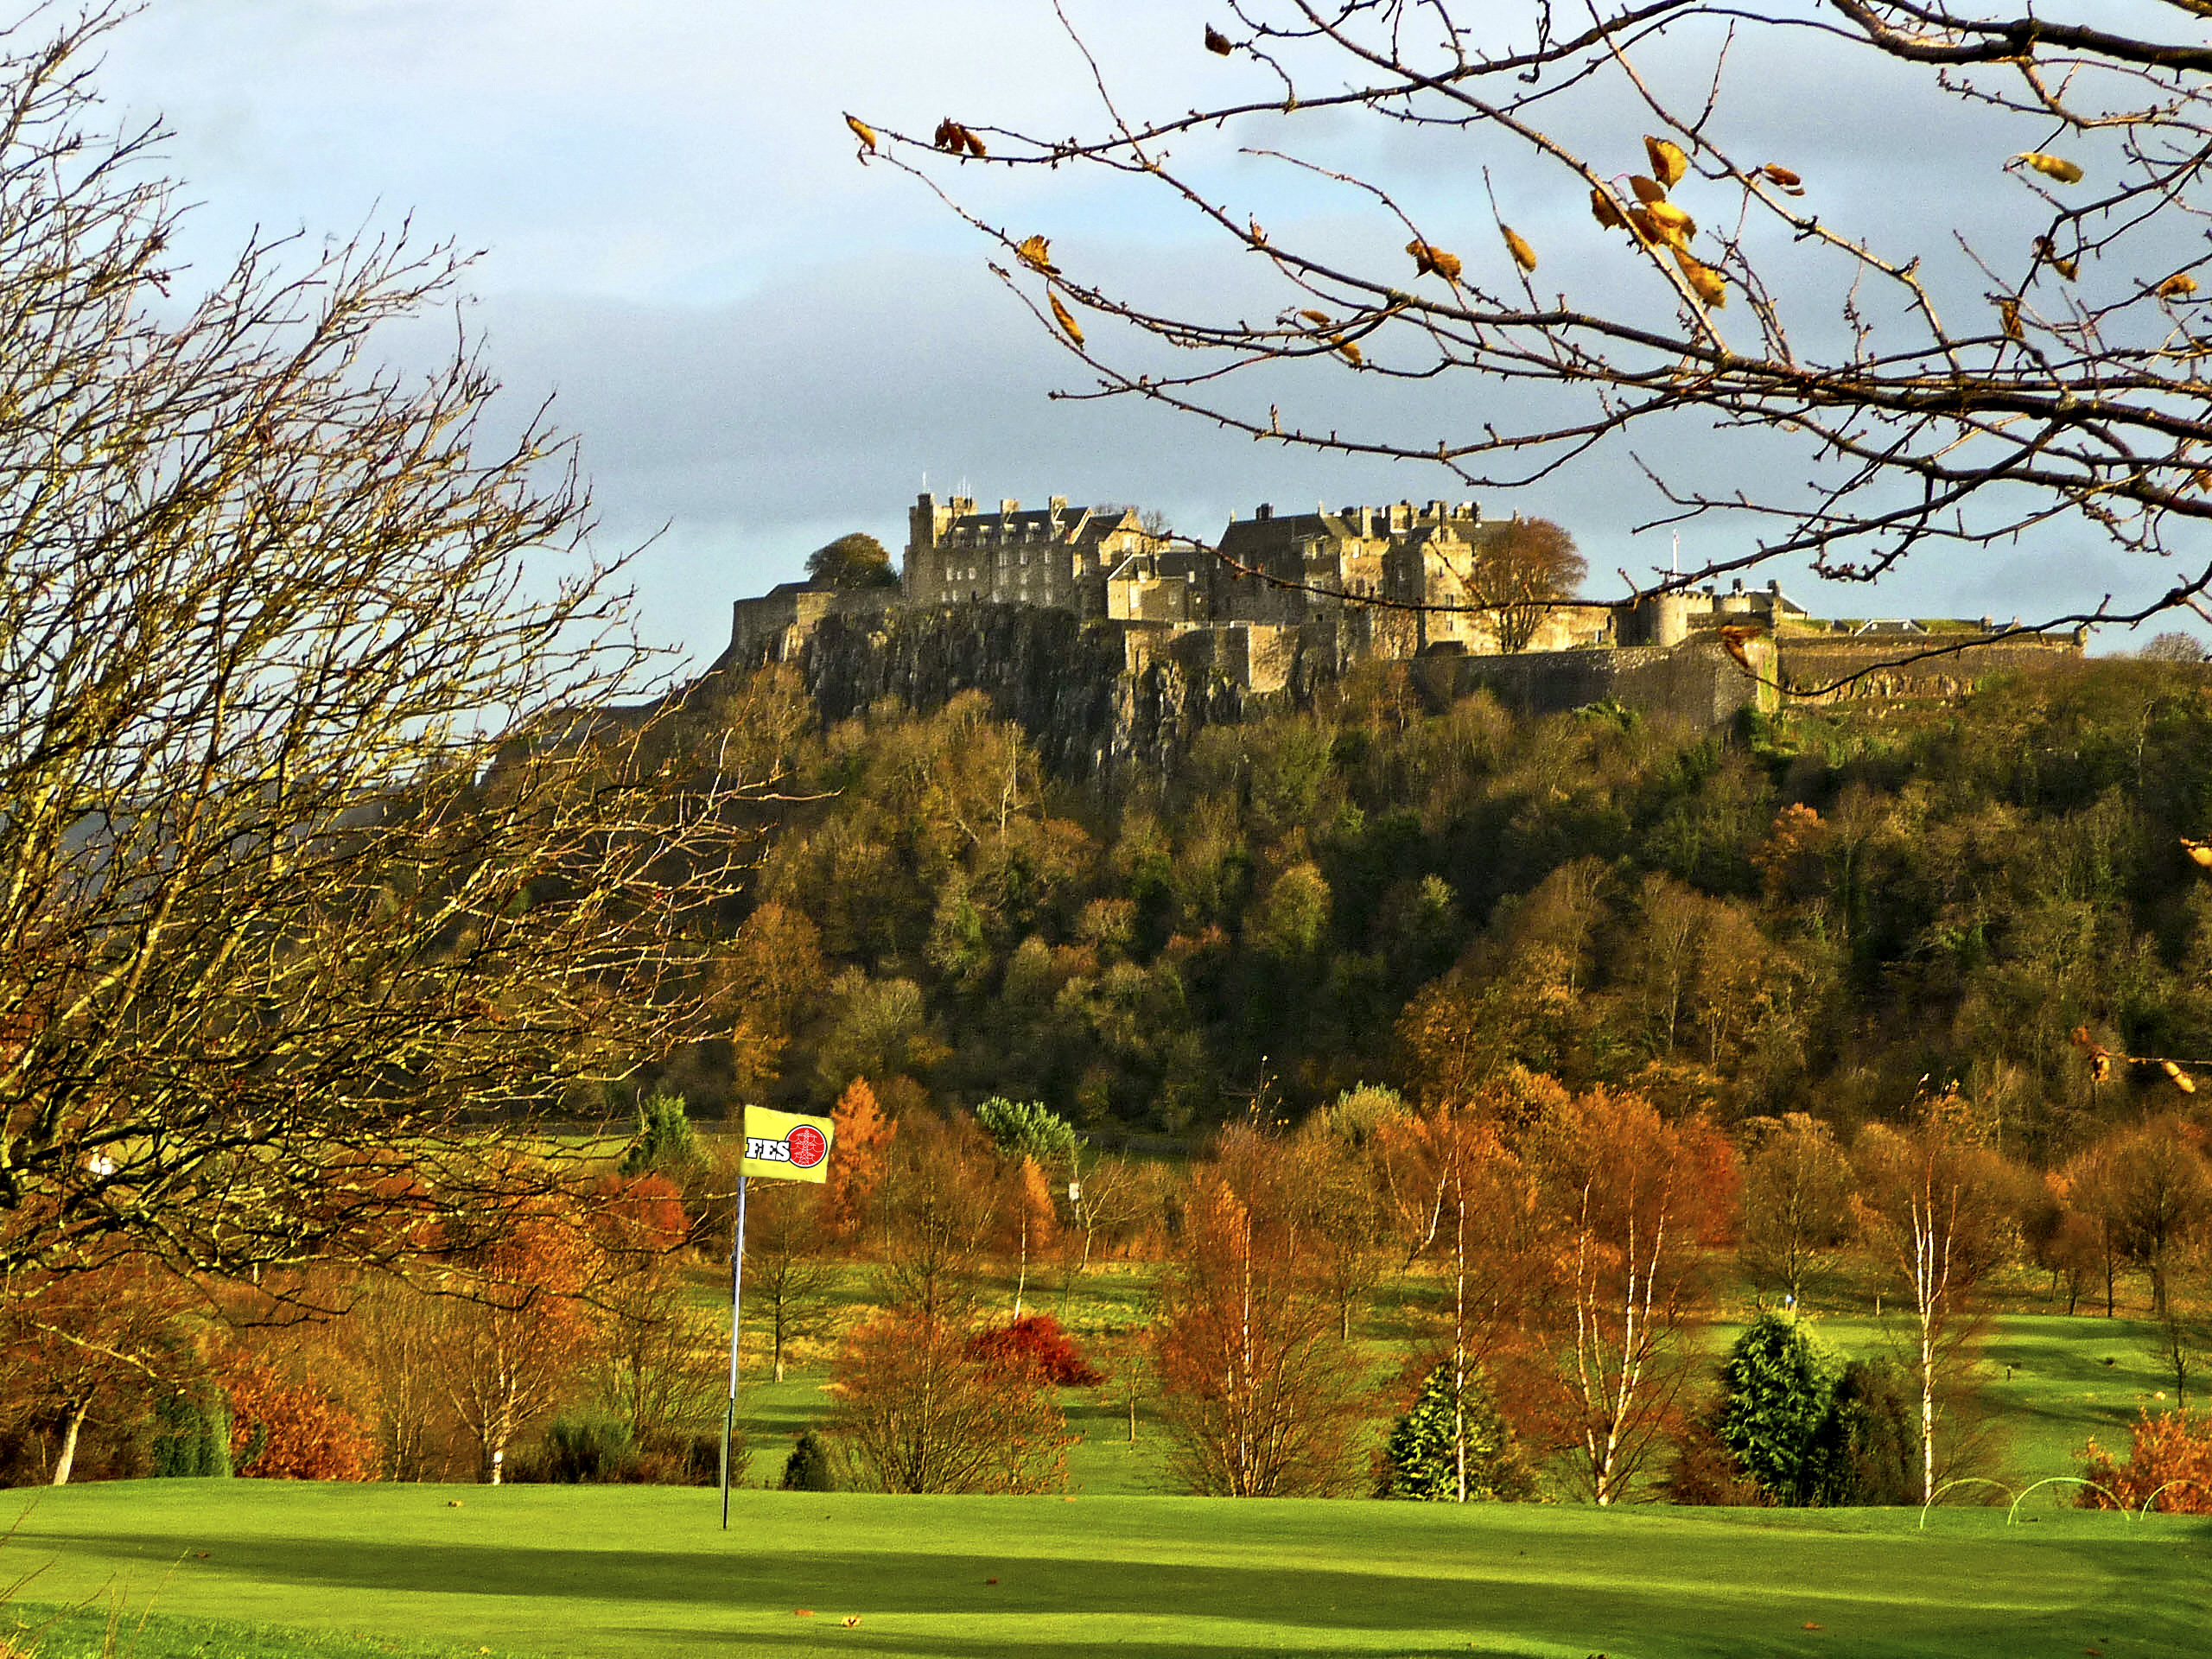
point(1636, 1206)
point(291, 1429)
point(862, 1138)
point(2168, 1467)
point(1470, 1204)
point(512, 1328)
point(1260, 1397)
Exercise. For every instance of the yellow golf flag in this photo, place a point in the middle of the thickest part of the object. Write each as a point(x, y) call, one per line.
point(780, 1147)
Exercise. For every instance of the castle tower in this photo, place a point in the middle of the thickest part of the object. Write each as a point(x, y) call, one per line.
point(922, 577)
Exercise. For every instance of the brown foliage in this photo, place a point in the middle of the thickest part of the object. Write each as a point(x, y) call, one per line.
point(284, 1430)
point(1523, 570)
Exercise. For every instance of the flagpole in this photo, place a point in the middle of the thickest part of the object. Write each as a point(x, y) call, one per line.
point(736, 1303)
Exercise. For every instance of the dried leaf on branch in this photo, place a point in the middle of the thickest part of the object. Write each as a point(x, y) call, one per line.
point(1668, 163)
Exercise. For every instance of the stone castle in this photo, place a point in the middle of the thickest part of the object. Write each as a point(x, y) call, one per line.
point(1166, 637)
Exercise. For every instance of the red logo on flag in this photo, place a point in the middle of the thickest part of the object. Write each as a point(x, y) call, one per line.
point(807, 1146)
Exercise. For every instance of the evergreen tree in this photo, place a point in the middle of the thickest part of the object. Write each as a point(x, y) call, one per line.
point(191, 1436)
point(665, 1141)
point(1780, 1382)
point(1876, 1442)
point(1420, 1459)
point(807, 1469)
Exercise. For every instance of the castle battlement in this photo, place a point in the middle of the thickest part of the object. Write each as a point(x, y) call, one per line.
point(1295, 599)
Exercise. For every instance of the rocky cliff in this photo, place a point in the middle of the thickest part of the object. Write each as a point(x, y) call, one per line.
point(1094, 697)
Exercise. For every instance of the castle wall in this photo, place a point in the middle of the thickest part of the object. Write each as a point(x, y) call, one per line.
point(1833, 667)
point(1696, 682)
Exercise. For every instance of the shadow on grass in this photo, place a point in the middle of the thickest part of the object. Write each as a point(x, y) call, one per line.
point(1600, 1599)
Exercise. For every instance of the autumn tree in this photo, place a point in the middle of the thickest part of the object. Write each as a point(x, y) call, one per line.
point(1338, 1187)
point(1796, 1203)
point(2030, 361)
point(2154, 1194)
point(1260, 1397)
point(941, 1208)
point(1937, 1206)
point(919, 1409)
point(853, 1192)
point(512, 1329)
point(289, 1428)
point(312, 847)
point(1636, 1206)
point(652, 1364)
point(1519, 574)
point(103, 1340)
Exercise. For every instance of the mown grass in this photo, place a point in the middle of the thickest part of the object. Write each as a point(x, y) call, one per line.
point(629, 1570)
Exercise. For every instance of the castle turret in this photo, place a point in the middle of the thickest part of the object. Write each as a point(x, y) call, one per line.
point(1661, 620)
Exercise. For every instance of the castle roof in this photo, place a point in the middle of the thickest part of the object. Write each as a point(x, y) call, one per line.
point(1065, 523)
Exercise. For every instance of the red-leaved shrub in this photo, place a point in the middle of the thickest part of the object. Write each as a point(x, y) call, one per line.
point(1038, 1342)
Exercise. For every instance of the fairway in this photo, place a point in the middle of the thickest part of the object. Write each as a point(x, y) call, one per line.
point(643, 1570)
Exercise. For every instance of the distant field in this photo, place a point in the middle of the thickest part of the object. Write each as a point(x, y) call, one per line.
point(631, 1570)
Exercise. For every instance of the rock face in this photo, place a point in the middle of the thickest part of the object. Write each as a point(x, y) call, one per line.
point(1093, 698)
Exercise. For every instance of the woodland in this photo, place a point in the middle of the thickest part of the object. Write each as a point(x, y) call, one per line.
point(1824, 914)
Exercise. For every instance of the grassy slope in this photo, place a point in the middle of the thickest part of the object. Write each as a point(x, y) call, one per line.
point(634, 1571)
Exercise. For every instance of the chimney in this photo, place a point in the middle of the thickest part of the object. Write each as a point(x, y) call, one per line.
point(1265, 510)
point(1006, 506)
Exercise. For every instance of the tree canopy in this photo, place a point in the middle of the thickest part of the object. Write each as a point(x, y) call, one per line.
point(857, 560)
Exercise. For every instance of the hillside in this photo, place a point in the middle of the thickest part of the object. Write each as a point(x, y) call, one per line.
point(1811, 912)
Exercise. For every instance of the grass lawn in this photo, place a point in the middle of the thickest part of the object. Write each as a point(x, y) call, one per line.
point(643, 1571)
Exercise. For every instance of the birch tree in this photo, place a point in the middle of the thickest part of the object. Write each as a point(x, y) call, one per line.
point(1938, 1207)
point(1637, 1205)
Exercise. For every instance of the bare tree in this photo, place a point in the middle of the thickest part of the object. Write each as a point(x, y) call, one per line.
point(2024, 353)
point(788, 1278)
point(324, 838)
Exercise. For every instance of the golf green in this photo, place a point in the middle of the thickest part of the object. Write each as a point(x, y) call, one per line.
point(645, 1571)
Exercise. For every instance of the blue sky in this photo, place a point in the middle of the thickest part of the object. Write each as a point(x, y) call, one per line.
point(760, 343)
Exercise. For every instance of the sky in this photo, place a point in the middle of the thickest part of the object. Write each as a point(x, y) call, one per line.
point(761, 344)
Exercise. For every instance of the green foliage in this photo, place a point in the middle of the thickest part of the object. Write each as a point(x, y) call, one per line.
point(1029, 1129)
point(1804, 918)
point(855, 560)
point(580, 1450)
point(665, 1142)
point(808, 1468)
point(1421, 1458)
point(192, 1435)
point(1779, 1384)
point(1874, 1435)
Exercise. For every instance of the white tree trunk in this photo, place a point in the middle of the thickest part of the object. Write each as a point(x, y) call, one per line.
point(67, 1461)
